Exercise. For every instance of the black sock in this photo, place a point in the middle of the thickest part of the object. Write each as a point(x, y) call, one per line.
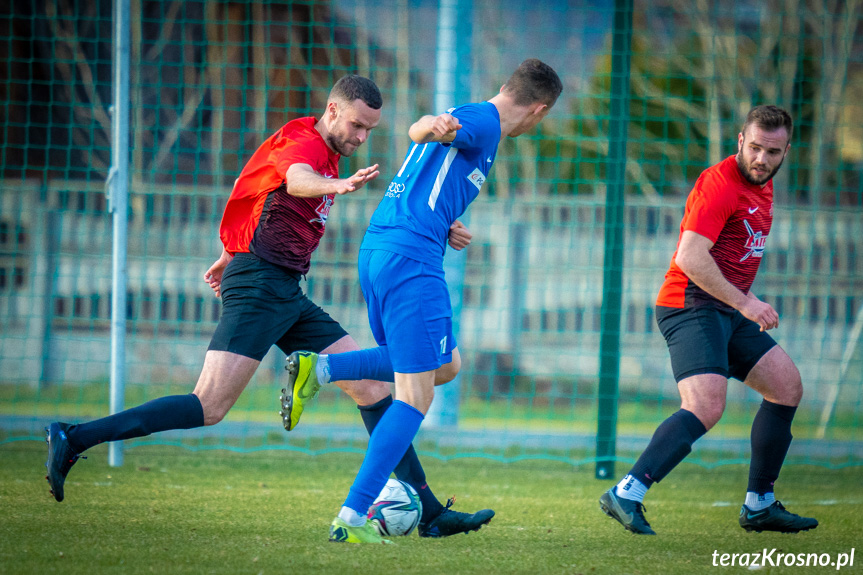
point(671, 443)
point(172, 412)
point(409, 468)
point(771, 437)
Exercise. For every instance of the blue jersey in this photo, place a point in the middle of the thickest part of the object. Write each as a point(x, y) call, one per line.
point(434, 186)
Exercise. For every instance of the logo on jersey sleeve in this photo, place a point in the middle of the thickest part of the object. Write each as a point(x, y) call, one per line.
point(395, 190)
point(754, 243)
point(323, 211)
point(476, 178)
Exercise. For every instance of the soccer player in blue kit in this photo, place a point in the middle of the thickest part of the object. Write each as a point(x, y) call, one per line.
point(402, 278)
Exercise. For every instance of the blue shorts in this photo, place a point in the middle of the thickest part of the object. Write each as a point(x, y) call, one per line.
point(409, 310)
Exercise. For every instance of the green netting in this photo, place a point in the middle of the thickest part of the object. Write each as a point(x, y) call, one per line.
point(210, 81)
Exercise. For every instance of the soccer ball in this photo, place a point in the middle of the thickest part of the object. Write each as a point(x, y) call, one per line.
point(397, 510)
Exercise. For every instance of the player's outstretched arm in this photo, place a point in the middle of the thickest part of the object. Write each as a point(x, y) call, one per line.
point(213, 276)
point(358, 180)
point(434, 129)
point(304, 182)
point(694, 259)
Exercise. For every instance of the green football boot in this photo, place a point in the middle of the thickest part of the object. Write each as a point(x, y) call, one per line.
point(302, 387)
point(341, 532)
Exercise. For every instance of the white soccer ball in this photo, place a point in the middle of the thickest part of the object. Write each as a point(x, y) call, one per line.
point(397, 510)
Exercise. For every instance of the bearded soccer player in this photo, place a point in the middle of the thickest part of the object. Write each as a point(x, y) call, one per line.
point(273, 221)
point(716, 328)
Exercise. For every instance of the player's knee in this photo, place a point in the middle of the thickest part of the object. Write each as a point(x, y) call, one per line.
point(212, 416)
point(795, 390)
point(709, 414)
point(447, 372)
point(214, 411)
point(787, 391)
point(365, 392)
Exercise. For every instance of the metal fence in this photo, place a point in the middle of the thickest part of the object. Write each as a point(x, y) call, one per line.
point(209, 81)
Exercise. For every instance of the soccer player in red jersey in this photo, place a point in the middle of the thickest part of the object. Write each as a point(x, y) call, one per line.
point(273, 221)
point(716, 328)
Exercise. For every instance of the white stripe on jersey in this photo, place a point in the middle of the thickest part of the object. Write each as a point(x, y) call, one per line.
point(408, 159)
point(441, 176)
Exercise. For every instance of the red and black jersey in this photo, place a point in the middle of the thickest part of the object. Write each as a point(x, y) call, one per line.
point(736, 216)
point(261, 217)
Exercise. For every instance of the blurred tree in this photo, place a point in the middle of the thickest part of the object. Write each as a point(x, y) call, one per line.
point(697, 70)
point(208, 80)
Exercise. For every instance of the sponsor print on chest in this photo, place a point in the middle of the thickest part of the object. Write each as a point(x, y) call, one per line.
point(757, 218)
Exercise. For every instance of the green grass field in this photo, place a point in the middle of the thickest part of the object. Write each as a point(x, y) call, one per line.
point(168, 510)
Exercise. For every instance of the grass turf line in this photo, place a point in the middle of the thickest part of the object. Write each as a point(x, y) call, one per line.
point(170, 511)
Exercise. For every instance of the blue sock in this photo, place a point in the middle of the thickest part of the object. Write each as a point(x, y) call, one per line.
point(373, 363)
point(409, 469)
point(171, 412)
point(387, 445)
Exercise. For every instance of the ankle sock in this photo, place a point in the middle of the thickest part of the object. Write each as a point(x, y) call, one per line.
point(631, 488)
point(759, 501)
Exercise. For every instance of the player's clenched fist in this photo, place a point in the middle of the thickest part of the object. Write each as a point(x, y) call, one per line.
point(434, 129)
point(459, 236)
point(445, 124)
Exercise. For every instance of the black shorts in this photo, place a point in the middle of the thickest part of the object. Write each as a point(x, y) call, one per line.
point(707, 339)
point(262, 305)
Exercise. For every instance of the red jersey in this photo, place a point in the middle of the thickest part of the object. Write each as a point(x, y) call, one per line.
point(736, 216)
point(261, 217)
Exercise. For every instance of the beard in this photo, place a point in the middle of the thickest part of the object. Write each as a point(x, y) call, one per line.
point(744, 171)
point(341, 145)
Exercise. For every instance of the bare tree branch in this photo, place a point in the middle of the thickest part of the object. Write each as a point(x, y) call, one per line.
point(193, 94)
point(260, 53)
point(136, 88)
point(165, 32)
point(70, 38)
point(836, 41)
point(215, 65)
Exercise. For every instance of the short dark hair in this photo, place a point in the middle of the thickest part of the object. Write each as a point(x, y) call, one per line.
point(353, 87)
point(533, 81)
point(769, 118)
